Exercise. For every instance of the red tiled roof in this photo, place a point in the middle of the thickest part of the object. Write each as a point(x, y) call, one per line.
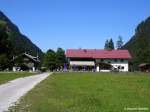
point(98, 54)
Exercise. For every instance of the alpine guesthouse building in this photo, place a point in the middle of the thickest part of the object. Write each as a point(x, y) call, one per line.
point(98, 60)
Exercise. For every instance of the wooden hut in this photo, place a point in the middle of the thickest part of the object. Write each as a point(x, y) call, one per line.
point(144, 67)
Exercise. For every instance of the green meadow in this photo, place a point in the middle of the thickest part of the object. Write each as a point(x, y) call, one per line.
point(88, 92)
point(7, 76)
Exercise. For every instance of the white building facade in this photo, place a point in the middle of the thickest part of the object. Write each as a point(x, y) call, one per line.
point(98, 60)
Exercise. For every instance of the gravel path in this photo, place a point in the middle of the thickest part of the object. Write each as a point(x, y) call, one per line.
point(13, 90)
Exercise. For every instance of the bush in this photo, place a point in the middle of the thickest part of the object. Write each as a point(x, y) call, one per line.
point(43, 69)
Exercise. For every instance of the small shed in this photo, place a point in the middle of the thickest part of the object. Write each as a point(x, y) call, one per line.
point(144, 67)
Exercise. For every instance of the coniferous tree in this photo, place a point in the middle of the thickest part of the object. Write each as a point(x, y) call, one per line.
point(106, 47)
point(111, 44)
point(119, 43)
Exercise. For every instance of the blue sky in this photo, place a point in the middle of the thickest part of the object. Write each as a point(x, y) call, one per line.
point(76, 23)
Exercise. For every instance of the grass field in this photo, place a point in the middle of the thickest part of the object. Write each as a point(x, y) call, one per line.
point(5, 77)
point(88, 92)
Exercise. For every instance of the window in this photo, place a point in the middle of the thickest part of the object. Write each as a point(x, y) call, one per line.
point(122, 67)
point(122, 60)
point(102, 60)
point(115, 60)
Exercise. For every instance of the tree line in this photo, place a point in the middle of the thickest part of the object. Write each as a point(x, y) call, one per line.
point(54, 60)
point(109, 44)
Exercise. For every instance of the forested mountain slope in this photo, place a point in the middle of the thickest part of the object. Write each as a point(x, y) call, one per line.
point(12, 42)
point(139, 44)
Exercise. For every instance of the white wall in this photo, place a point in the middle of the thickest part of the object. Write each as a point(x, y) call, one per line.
point(112, 62)
point(125, 65)
point(81, 63)
point(97, 68)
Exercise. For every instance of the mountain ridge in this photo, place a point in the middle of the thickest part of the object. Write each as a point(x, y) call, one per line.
point(139, 44)
point(24, 44)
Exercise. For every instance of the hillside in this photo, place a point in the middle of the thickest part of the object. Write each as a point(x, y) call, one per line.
point(13, 43)
point(139, 44)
